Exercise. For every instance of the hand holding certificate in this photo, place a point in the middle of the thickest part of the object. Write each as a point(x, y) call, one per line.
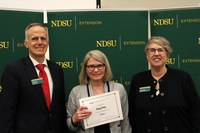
point(105, 108)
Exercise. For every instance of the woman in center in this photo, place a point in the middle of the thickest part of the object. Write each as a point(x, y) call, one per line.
point(95, 78)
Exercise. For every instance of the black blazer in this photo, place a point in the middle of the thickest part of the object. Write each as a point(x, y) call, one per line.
point(175, 110)
point(22, 104)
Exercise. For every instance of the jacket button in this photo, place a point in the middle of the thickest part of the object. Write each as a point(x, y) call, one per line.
point(149, 113)
point(149, 130)
point(165, 128)
point(163, 112)
point(162, 94)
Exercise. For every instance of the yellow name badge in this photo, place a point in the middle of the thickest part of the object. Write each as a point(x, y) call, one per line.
point(37, 81)
point(145, 89)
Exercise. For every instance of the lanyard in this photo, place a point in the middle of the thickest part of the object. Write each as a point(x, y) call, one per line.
point(88, 91)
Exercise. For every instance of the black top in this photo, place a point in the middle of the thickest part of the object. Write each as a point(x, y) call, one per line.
point(175, 110)
point(102, 129)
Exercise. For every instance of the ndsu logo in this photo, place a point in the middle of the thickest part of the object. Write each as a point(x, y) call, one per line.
point(106, 43)
point(66, 64)
point(198, 40)
point(4, 45)
point(161, 22)
point(61, 23)
point(170, 61)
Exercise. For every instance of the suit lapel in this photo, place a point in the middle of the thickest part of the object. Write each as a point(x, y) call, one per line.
point(30, 68)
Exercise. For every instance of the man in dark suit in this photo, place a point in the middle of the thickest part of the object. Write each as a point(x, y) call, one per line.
point(23, 108)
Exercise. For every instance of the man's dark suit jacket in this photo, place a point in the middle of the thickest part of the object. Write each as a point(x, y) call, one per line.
point(22, 104)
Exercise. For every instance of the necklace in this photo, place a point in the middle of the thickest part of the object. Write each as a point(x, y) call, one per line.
point(97, 91)
point(157, 88)
point(88, 91)
point(157, 92)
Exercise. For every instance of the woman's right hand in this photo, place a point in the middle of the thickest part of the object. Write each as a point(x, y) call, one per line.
point(81, 113)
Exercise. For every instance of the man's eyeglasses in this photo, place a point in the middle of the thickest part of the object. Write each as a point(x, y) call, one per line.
point(153, 50)
point(92, 67)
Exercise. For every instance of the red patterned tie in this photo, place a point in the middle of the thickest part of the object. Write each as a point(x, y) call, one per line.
point(45, 84)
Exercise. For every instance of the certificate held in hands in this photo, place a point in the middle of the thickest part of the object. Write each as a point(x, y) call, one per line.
point(105, 108)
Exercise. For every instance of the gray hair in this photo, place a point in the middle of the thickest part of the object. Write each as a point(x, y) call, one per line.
point(163, 42)
point(35, 24)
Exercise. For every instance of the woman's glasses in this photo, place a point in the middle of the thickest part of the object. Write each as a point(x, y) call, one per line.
point(153, 50)
point(92, 67)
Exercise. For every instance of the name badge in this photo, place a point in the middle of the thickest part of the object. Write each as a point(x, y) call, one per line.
point(37, 81)
point(145, 89)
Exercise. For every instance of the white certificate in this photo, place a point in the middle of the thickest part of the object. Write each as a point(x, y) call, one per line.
point(105, 108)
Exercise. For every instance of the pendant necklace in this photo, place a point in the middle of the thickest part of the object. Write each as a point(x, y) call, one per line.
point(88, 91)
point(157, 88)
point(157, 92)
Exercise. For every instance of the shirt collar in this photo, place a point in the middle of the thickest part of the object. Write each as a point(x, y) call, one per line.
point(36, 62)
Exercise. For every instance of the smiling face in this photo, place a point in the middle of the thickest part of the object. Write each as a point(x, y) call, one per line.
point(95, 70)
point(37, 42)
point(156, 55)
